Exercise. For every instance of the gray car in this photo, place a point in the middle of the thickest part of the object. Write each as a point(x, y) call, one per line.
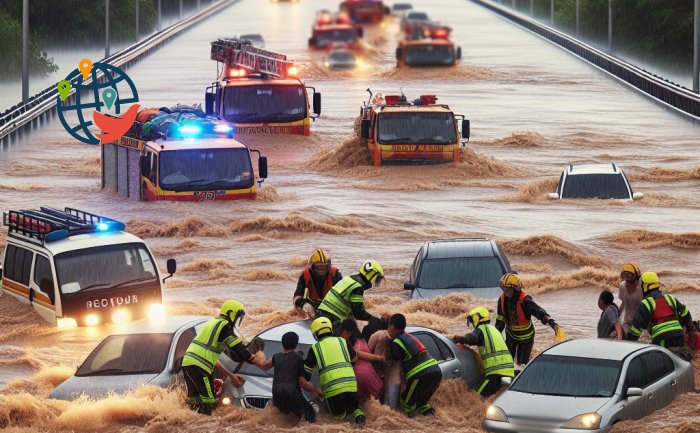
point(119, 363)
point(464, 265)
point(257, 390)
point(589, 385)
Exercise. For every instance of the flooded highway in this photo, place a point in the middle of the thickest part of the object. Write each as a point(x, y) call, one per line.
point(533, 109)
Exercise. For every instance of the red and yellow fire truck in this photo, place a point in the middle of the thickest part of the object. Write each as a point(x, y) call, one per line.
point(329, 30)
point(397, 131)
point(428, 45)
point(259, 91)
point(365, 11)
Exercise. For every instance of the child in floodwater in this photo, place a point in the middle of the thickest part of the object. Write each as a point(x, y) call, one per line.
point(368, 380)
point(289, 378)
point(609, 323)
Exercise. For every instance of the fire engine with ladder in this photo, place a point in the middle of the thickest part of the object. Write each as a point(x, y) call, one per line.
point(399, 131)
point(259, 92)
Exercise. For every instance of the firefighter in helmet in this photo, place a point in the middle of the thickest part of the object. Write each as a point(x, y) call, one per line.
point(316, 280)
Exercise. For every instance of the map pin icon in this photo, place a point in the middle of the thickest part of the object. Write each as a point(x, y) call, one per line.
point(85, 67)
point(109, 95)
point(64, 87)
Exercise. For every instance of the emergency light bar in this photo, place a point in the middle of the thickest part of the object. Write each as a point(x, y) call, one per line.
point(237, 55)
point(48, 224)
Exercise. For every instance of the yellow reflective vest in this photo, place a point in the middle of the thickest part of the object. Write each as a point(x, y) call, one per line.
point(334, 366)
point(205, 349)
point(495, 356)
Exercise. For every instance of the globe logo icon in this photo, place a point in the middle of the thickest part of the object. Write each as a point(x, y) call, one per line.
point(87, 98)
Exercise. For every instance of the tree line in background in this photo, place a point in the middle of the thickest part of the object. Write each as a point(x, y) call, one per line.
point(70, 23)
point(655, 31)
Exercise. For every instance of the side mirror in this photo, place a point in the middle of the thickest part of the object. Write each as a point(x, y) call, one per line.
point(360, 32)
point(408, 286)
point(466, 126)
point(209, 99)
point(637, 195)
point(364, 128)
point(145, 166)
point(317, 103)
point(553, 195)
point(506, 381)
point(459, 53)
point(171, 266)
point(633, 392)
point(262, 167)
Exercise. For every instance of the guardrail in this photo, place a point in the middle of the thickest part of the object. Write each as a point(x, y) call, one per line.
point(21, 116)
point(671, 94)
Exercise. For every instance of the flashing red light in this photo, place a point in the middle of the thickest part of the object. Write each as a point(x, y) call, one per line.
point(325, 18)
point(440, 33)
point(392, 99)
point(293, 71)
point(342, 19)
point(428, 99)
point(237, 73)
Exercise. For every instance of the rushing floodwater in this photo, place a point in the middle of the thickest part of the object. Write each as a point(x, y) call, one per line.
point(533, 109)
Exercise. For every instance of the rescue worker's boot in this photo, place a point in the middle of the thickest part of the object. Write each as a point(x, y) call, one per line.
point(426, 409)
point(358, 418)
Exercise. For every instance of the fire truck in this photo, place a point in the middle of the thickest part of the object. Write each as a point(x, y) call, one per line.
point(398, 131)
point(365, 11)
point(328, 31)
point(428, 45)
point(192, 160)
point(259, 91)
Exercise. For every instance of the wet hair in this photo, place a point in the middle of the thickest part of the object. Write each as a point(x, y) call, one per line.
point(399, 321)
point(290, 340)
point(350, 326)
point(607, 297)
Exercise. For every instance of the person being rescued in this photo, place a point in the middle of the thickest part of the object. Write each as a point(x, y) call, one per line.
point(368, 380)
point(495, 357)
point(316, 280)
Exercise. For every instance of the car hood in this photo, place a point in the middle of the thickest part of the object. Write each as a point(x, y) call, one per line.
point(99, 386)
point(546, 409)
point(254, 386)
point(480, 292)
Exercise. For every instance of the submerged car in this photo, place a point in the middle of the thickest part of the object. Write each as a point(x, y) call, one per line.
point(412, 18)
point(144, 353)
point(257, 390)
point(341, 58)
point(464, 265)
point(601, 181)
point(587, 386)
point(255, 39)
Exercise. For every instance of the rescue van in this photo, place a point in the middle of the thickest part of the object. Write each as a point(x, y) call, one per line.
point(80, 269)
point(428, 45)
point(191, 161)
point(259, 91)
point(397, 131)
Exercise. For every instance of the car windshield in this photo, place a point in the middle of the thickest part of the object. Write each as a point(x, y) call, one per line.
point(418, 16)
point(401, 7)
point(125, 354)
point(265, 103)
point(429, 55)
point(460, 272)
point(417, 128)
point(602, 186)
point(104, 267)
point(325, 37)
point(205, 169)
point(271, 347)
point(569, 376)
point(342, 56)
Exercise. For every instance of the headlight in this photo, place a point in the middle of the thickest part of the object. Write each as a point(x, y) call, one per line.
point(226, 401)
point(120, 316)
point(586, 421)
point(92, 320)
point(495, 413)
point(66, 323)
point(156, 312)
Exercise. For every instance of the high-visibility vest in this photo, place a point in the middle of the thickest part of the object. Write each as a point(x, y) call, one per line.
point(495, 356)
point(416, 358)
point(204, 351)
point(334, 366)
point(314, 294)
point(518, 325)
point(338, 300)
point(664, 315)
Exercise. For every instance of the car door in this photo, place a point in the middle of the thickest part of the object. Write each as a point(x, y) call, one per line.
point(635, 377)
point(660, 381)
point(180, 347)
point(449, 364)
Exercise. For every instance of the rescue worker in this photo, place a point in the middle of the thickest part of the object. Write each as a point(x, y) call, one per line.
point(495, 357)
point(421, 370)
point(333, 359)
point(316, 280)
point(630, 293)
point(346, 299)
point(514, 312)
point(202, 355)
point(661, 314)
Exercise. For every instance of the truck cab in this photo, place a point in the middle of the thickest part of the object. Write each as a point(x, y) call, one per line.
point(80, 269)
point(259, 91)
point(397, 131)
point(428, 45)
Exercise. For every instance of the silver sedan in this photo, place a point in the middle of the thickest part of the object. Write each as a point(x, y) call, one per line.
point(589, 385)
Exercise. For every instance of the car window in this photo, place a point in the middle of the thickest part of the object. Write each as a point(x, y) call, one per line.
point(561, 179)
point(43, 277)
point(124, 354)
point(602, 186)
point(656, 366)
point(18, 264)
point(436, 348)
point(635, 378)
point(182, 344)
point(414, 266)
point(460, 272)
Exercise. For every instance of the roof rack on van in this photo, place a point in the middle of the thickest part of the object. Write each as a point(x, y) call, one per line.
point(49, 224)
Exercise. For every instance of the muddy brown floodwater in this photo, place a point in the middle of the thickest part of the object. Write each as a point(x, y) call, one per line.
point(533, 109)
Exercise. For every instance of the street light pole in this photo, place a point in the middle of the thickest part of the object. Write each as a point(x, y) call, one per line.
point(551, 12)
point(136, 24)
point(610, 26)
point(577, 19)
point(696, 55)
point(106, 28)
point(159, 25)
point(25, 50)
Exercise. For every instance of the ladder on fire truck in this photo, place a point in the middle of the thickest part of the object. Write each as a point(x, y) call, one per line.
point(253, 60)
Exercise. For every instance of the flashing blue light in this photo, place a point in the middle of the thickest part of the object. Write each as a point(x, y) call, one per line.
point(102, 227)
point(189, 130)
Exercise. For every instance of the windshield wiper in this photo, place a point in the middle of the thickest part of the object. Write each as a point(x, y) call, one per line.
point(135, 280)
point(460, 286)
point(91, 286)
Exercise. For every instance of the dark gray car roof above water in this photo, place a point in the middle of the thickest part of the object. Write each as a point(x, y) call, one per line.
point(459, 247)
point(598, 348)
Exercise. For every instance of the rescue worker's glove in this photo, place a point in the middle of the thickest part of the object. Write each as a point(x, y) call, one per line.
point(298, 302)
point(551, 323)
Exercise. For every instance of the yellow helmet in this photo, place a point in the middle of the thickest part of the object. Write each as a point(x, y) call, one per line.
point(319, 256)
point(479, 315)
point(232, 311)
point(650, 281)
point(322, 325)
point(511, 280)
point(372, 271)
point(633, 269)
